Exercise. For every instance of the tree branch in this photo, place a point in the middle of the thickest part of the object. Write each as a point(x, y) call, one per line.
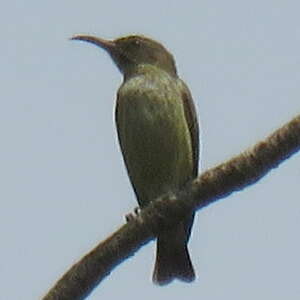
point(216, 183)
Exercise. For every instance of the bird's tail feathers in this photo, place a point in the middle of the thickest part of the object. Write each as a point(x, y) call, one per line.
point(172, 258)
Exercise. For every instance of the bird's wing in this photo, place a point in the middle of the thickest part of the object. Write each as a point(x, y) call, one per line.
point(193, 125)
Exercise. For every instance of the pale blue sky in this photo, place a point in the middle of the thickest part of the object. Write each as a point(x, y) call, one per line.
point(64, 187)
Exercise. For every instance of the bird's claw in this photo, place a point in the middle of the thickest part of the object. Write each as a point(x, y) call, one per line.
point(131, 216)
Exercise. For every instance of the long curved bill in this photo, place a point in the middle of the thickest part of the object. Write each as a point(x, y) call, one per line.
point(108, 45)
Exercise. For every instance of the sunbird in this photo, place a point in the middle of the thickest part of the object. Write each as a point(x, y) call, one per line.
point(158, 134)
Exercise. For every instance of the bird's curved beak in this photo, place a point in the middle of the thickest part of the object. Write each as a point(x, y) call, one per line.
point(107, 45)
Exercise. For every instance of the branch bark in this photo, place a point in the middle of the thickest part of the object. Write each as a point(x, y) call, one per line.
point(214, 184)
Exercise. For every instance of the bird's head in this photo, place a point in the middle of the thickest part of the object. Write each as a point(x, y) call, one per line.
point(134, 50)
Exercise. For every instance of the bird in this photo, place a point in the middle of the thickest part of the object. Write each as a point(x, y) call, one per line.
point(158, 133)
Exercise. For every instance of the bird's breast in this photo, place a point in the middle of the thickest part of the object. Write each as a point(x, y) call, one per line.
point(154, 136)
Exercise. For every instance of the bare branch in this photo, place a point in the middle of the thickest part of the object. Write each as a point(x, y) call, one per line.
point(216, 183)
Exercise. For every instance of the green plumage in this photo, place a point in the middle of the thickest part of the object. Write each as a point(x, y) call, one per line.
point(158, 134)
point(153, 133)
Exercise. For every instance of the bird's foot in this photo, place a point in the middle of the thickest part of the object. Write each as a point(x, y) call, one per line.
point(131, 216)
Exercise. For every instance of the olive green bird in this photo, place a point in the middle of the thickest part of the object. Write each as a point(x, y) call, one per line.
point(159, 138)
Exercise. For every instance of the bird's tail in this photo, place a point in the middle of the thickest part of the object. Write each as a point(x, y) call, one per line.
point(172, 257)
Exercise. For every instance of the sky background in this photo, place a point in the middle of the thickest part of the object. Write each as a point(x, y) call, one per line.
point(64, 187)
